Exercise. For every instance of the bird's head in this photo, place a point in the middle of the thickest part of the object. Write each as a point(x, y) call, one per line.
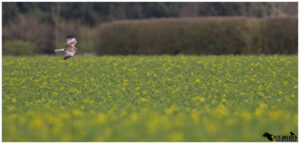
point(69, 36)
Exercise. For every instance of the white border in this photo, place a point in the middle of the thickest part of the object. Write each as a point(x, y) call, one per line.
point(144, 1)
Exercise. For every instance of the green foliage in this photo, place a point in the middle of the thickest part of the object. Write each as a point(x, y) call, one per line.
point(219, 35)
point(91, 13)
point(10, 11)
point(149, 98)
point(252, 9)
point(47, 23)
point(19, 47)
point(29, 28)
point(279, 35)
point(214, 35)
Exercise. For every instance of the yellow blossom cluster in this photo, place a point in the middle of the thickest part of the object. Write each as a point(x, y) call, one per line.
point(149, 98)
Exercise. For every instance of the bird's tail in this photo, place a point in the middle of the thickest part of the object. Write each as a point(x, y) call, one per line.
point(59, 50)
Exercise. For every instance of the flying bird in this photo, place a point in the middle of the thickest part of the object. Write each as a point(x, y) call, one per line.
point(70, 48)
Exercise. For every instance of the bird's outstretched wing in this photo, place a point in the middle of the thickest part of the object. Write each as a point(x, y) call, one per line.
point(70, 49)
point(71, 41)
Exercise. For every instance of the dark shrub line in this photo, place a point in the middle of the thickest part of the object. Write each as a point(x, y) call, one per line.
point(209, 35)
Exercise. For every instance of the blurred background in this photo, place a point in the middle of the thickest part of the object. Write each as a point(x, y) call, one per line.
point(151, 28)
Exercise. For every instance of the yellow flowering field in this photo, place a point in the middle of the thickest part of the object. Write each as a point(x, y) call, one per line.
point(149, 98)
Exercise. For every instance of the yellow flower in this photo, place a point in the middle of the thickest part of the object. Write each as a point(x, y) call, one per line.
point(176, 136)
point(36, 122)
point(195, 117)
point(14, 100)
point(223, 100)
point(115, 64)
point(211, 127)
point(222, 110)
point(213, 101)
point(275, 114)
point(263, 105)
point(11, 108)
point(192, 73)
point(144, 100)
point(202, 99)
point(134, 117)
point(101, 118)
point(229, 121)
point(295, 86)
point(170, 110)
point(259, 111)
point(296, 119)
point(246, 115)
point(77, 112)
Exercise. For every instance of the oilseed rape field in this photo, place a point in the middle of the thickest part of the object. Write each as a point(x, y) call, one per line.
point(149, 98)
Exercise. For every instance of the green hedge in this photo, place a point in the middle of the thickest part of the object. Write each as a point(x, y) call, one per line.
point(279, 35)
point(217, 35)
point(19, 48)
